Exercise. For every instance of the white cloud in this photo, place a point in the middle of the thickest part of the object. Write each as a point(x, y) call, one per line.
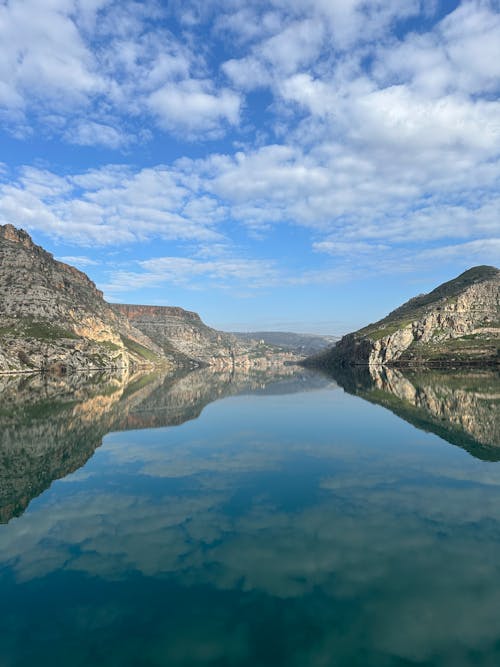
point(44, 58)
point(376, 139)
point(194, 105)
point(79, 260)
point(109, 60)
point(108, 206)
point(89, 133)
point(214, 273)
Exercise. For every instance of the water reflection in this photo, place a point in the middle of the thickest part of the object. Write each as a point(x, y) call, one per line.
point(50, 426)
point(463, 407)
point(277, 529)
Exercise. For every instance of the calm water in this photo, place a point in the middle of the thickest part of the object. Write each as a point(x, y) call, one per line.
point(295, 520)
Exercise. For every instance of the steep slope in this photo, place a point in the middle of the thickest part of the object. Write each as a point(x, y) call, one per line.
point(457, 323)
point(53, 316)
point(181, 332)
point(176, 331)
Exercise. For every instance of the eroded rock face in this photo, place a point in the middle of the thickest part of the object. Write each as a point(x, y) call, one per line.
point(178, 330)
point(184, 335)
point(457, 323)
point(52, 316)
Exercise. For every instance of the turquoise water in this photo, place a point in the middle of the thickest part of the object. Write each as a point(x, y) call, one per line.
point(309, 527)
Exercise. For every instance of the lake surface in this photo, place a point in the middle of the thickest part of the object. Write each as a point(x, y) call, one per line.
point(220, 519)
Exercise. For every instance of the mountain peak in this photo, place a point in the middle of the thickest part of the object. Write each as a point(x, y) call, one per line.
point(10, 233)
point(447, 290)
point(456, 323)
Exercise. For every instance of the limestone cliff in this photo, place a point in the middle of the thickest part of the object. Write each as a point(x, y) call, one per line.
point(52, 316)
point(457, 323)
point(181, 332)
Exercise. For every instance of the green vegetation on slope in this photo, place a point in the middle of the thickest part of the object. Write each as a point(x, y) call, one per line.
point(139, 349)
point(40, 330)
point(416, 307)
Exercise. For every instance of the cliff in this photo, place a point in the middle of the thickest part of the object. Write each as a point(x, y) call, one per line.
point(52, 316)
point(181, 332)
point(458, 323)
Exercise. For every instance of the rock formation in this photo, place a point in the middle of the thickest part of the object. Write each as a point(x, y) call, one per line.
point(458, 323)
point(176, 330)
point(181, 332)
point(52, 316)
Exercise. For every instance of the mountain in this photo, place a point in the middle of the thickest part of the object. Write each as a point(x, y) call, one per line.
point(182, 332)
point(460, 406)
point(458, 323)
point(52, 316)
point(301, 344)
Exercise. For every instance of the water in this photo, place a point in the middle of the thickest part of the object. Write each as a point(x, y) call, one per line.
point(221, 519)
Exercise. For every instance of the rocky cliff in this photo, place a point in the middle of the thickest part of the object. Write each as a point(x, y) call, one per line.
point(182, 332)
point(457, 323)
point(176, 331)
point(52, 316)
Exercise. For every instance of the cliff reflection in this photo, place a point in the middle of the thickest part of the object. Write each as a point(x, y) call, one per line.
point(461, 407)
point(50, 426)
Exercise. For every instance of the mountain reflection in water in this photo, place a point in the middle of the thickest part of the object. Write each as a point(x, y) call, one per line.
point(460, 406)
point(50, 426)
point(290, 524)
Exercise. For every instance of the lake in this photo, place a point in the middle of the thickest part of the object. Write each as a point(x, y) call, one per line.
point(281, 519)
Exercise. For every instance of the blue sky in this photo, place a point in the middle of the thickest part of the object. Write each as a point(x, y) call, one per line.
point(272, 165)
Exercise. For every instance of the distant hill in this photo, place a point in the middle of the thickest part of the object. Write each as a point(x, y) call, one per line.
point(457, 323)
point(301, 344)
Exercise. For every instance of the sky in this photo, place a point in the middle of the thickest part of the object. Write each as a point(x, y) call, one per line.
point(281, 165)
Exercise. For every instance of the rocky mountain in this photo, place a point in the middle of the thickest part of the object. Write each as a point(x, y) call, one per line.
point(52, 316)
point(300, 344)
point(461, 407)
point(457, 323)
point(176, 330)
point(182, 332)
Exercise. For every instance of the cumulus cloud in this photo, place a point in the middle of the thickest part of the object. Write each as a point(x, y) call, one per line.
point(104, 206)
point(195, 106)
point(89, 133)
point(372, 139)
point(113, 60)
